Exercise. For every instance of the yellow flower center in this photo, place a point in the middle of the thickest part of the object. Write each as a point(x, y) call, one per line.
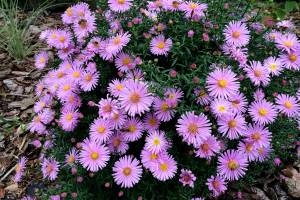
point(76, 74)
point(222, 108)
point(94, 156)
point(193, 128)
point(235, 103)
point(164, 107)
point(82, 23)
point(132, 128)
point(49, 169)
point(107, 108)
point(216, 184)
point(293, 58)
point(260, 150)
point(232, 123)
point(163, 167)
point(62, 38)
point(257, 73)
point(66, 87)
point(69, 12)
point(205, 147)
point(153, 156)
point(193, 6)
point(175, 4)
point(202, 93)
point(69, 117)
point(117, 40)
point(116, 142)
point(232, 165)
point(37, 119)
point(88, 77)
point(262, 112)
point(119, 87)
point(249, 147)
point(161, 45)
point(53, 35)
point(222, 83)
point(101, 129)
point(121, 1)
point(42, 60)
point(18, 168)
point(236, 34)
point(152, 121)
point(71, 159)
point(126, 61)
point(256, 136)
point(115, 116)
point(288, 104)
point(288, 44)
point(156, 142)
point(71, 99)
point(273, 66)
point(135, 97)
point(60, 74)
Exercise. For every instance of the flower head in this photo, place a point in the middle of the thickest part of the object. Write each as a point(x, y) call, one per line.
point(50, 168)
point(236, 33)
point(187, 177)
point(20, 169)
point(119, 5)
point(288, 105)
point(263, 112)
point(217, 185)
point(160, 46)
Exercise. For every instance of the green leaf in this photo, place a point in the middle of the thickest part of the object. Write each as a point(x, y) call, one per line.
point(280, 13)
point(291, 6)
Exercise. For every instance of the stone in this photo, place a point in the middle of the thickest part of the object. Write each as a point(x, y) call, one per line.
point(4, 73)
point(19, 90)
point(25, 103)
point(28, 89)
point(10, 84)
point(35, 30)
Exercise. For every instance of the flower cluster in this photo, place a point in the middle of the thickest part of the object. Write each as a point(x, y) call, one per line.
point(137, 109)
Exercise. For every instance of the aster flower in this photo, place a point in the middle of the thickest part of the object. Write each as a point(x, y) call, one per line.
point(149, 159)
point(165, 168)
point(258, 74)
point(271, 36)
point(258, 135)
point(124, 62)
point(208, 148)
point(120, 5)
point(263, 153)
point(236, 33)
point(162, 111)
point(100, 130)
point(220, 107)
point(41, 60)
point(288, 24)
point(156, 142)
point(248, 149)
point(71, 157)
point(273, 65)
point(187, 177)
point(89, 80)
point(263, 112)
point(69, 119)
point(75, 74)
point(66, 88)
point(238, 103)
point(222, 83)
point(71, 102)
point(117, 119)
point(95, 44)
point(62, 40)
point(232, 165)
point(202, 98)
point(135, 97)
point(291, 60)
point(193, 10)
point(151, 123)
point(107, 107)
point(84, 26)
point(115, 87)
point(193, 128)
point(20, 168)
point(160, 46)
point(217, 185)
point(133, 128)
point(36, 125)
point(50, 168)
point(288, 42)
point(173, 96)
point(288, 105)
point(172, 5)
point(117, 143)
point(135, 74)
point(47, 115)
point(117, 42)
point(93, 155)
point(232, 126)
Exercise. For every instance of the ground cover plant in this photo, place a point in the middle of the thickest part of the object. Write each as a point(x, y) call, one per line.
point(164, 100)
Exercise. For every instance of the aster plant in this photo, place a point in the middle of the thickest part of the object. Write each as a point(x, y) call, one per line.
point(164, 99)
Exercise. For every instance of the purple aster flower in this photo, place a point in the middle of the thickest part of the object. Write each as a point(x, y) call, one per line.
point(263, 112)
point(258, 74)
point(237, 34)
point(20, 169)
point(274, 65)
point(232, 126)
point(258, 135)
point(165, 168)
point(117, 143)
point(100, 130)
point(50, 168)
point(187, 177)
point(162, 110)
point(160, 46)
point(133, 128)
point(217, 185)
point(120, 5)
point(208, 148)
point(41, 60)
point(288, 105)
point(156, 142)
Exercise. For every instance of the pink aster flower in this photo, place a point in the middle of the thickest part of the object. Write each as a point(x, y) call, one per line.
point(217, 185)
point(258, 135)
point(259, 95)
point(72, 157)
point(288, 24)
point(237, 34)
point(151, 122)
point(65, 88)
point(135, 74)
point(248, 149)
point(291, 60)
point(117, 119)
point(69, 120)
point(75, 74)
point(36, 125)
point(156, 142)
point(232, 165)
point(162, 111)
point(84, 26)
point(263, 112)
point(124, 62)
point(100, 130)
point(93, 155)
point(135, 97)
point(20, 168)
point(220, 107)
point(222, 83)
point(115, 87)
point(117, 143)
point(160, 46)
point(263, 153)
point(238, 103)
point(117, 42)
point(133, 128)
point(288, 42)
point(120, 5)
point(193, 10)
point(288, 105)
point(187, 177)
point(47, 115)
point(202, 98)
point(107, 107)
point(71, 102)
point(41, 60)
point(172, 5)
point(258, 74)
point(208, 148)
point(127, 171)
point(63, 39)
point(165, 168)
point(273, 65)
point(50, 168)
point(150, 159)
point(193, 128)
point(232, 126)
point(89, 80)
point(173, 96)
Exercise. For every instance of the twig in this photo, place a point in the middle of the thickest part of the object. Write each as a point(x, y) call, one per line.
point(8, 173)
point(13, 94)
